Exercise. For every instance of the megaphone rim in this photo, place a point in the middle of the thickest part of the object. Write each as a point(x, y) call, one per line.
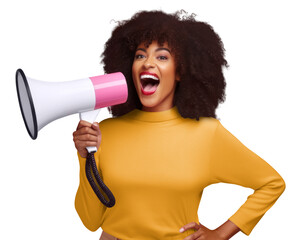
point(35, 131)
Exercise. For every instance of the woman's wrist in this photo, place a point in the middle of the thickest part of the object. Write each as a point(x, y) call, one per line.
point(227, 230)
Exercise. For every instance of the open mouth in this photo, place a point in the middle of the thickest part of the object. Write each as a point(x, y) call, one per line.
point(149, 83)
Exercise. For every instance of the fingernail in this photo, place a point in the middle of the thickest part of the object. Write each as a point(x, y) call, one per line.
point(181, 230)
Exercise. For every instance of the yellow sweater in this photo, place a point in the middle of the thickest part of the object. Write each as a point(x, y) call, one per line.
point(157, 165)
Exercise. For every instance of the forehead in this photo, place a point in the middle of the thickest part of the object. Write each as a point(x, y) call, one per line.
point(153, 44)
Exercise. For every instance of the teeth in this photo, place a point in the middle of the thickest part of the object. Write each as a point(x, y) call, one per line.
point(149, 76)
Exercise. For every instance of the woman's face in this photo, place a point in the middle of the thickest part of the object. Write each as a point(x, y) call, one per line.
point(154, 76)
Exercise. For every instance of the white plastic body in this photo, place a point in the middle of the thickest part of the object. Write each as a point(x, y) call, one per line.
point(53, 100)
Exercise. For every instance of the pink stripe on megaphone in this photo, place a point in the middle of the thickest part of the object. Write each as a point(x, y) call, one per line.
point(110, 89)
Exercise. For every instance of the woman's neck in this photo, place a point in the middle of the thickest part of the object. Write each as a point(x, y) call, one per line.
point(159, 108)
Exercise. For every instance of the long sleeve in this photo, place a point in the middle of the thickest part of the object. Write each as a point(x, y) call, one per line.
point(88, 206)
point(232, 162)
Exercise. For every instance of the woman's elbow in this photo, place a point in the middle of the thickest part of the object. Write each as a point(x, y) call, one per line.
point(282, 185)
point(90, 224)
point(90, 220)
point(278, 186)
point(91, 227)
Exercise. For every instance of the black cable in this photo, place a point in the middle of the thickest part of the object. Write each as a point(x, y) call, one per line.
point(91, 164)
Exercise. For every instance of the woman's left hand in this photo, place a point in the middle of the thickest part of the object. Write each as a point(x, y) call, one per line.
point(202, 233)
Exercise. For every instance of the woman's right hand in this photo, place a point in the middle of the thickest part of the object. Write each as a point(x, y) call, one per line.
point(86, 135)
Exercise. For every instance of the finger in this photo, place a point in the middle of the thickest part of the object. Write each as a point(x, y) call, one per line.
point(95, 126)
point(191, 225)
point(85, 137)
point(83, 123)
point(85, 130)
point(193, 236)
point(84, 144)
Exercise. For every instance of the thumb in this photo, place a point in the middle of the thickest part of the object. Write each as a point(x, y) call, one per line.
point(192, 225)
point(95, 125)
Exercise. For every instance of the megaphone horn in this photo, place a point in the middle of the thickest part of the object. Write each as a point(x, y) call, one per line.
point(43, 102)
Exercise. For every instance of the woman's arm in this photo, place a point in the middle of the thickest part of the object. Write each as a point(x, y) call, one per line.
point(232, 162)
point(88, 206)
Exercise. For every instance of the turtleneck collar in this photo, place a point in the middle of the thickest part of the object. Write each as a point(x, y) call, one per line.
point(162, 116)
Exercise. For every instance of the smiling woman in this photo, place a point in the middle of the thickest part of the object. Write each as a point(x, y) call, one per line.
point(154, 76)
point(195, 48)
point(165, 145)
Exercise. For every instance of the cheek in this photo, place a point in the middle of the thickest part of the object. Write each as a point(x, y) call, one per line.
point(135, 81)
point(171, 73)
point(133, 72)
point(133, 69)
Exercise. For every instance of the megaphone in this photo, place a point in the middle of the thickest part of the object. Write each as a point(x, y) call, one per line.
point(43, 102)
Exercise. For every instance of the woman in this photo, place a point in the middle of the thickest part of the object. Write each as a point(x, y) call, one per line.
point(165, 145)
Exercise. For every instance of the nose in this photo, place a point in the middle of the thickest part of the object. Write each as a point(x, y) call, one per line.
point(149, 63)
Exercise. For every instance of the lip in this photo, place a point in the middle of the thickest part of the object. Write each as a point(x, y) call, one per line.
point(147, 93)
point(148, 73)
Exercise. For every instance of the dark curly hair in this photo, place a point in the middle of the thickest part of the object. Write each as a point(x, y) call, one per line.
point(198, 52)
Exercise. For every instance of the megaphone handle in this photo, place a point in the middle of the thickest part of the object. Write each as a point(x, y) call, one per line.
point(91, 149)
point(90, 116)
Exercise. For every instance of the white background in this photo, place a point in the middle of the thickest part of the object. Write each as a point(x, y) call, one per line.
point(62, 40)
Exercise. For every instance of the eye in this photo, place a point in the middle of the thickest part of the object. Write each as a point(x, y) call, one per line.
point(139, 56)
point(162, 57)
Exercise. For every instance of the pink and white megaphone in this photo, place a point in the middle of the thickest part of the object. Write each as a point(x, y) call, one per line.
point(43, 102)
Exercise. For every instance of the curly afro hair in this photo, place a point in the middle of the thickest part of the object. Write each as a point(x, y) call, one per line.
point(199, 58)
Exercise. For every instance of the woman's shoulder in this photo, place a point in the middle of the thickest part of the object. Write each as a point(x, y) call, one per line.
point(210, 120)
point(111, 121)
point(205, 126)
point(207, 122)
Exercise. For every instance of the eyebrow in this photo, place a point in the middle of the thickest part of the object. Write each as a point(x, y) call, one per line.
point(156, 50)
